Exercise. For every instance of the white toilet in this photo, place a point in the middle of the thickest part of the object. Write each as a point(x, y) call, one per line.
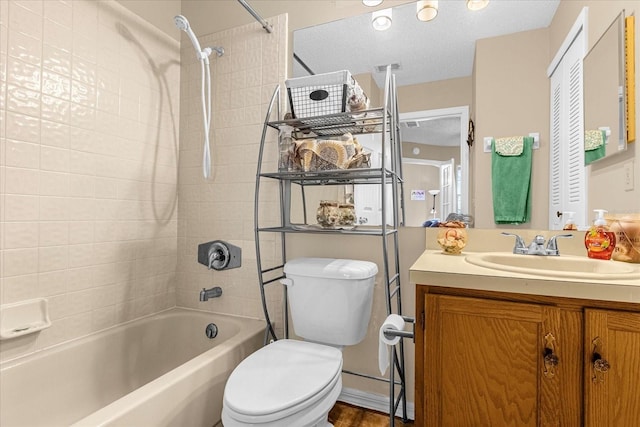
point(296, 383)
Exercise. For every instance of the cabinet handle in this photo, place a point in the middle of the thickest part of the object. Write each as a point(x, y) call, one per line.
point(550, 358)
point(600, 365)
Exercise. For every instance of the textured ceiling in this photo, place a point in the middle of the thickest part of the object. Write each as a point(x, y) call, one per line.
point(426, 51)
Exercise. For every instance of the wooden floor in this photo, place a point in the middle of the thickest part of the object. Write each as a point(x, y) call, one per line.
point(345, 415)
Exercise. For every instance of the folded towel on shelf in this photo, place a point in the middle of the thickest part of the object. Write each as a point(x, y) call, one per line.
point(594, 145)
point(511, 181)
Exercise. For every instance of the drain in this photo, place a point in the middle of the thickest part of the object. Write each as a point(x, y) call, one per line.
point(211, 331)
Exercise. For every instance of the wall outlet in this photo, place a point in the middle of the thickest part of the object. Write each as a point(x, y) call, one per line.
point(627, 170)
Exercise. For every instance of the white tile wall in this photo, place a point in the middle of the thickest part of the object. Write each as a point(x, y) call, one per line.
point(89, 114)
point(243, 81)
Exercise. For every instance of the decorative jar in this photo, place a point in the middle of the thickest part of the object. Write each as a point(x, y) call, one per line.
point(328, 214)
point(347, 214)
point(452, 237)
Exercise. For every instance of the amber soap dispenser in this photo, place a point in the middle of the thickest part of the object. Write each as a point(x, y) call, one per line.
point(599, 241)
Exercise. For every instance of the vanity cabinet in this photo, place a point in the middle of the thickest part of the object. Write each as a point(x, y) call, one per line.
point(498, 359)
point(612, 368)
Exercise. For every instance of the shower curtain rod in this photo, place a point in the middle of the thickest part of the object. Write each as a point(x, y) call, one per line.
point(267, 27)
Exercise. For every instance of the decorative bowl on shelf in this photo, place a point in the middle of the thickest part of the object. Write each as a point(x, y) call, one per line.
point(452, 237)
point(328, 213)
point(347, 214)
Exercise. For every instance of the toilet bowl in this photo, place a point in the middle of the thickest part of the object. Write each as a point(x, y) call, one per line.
point(296, 383)
point(287, 383)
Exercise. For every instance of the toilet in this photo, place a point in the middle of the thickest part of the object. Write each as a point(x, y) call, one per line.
point(296, 383)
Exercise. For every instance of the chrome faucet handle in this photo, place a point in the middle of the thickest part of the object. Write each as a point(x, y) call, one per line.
point(537, 246)
point(214, 255)
point(520, 247)
point(552, 244)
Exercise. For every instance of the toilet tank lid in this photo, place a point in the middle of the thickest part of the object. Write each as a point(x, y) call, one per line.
point(331, 268)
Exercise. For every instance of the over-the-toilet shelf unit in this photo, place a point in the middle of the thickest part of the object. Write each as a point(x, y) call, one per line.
point(383, 120)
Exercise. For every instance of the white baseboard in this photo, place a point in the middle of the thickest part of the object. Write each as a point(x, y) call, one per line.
point(377, 402)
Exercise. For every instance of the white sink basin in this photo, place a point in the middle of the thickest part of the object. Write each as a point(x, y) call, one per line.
point(555, 266)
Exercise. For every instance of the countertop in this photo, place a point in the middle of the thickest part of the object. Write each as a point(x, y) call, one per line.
point(438, 269)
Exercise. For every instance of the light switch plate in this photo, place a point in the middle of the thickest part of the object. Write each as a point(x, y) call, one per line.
point(628, 176)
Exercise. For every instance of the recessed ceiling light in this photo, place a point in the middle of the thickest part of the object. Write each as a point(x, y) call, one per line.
point(426, 10)
point(477, 4)
point(371, 3)
point(381, 19)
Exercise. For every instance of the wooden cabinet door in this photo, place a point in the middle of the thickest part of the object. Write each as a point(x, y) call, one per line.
point(484, 364)
point(612, 369)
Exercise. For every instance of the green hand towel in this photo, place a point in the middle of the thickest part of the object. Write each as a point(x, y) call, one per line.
point(593, 154)
point(511, 185)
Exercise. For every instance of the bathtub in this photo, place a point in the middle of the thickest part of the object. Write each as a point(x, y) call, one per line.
point(160, 370)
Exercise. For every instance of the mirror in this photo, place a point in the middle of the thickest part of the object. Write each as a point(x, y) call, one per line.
point(604, 95)
point(351, 44)
point(435, 159)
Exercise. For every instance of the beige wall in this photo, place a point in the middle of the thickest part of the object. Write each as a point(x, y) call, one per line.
point(431, 152)
point(420, 177)
point(511, 98)
point(435, 95)
point(370, 87)
point(88, 165)
point(606, 177)
point(497, 63)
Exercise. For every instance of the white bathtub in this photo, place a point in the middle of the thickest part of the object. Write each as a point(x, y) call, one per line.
point(161, 370)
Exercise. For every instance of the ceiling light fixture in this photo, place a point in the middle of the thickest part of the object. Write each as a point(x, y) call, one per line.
point(371, 3)
point(426, 10)
point(381, 19)
point(477, 4)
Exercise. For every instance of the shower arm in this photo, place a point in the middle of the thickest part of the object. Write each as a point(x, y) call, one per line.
point(267, 27)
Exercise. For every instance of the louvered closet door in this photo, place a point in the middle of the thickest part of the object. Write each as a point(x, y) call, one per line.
point(567, 180)
point(555, 156)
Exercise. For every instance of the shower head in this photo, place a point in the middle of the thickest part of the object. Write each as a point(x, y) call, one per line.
point(182, 24)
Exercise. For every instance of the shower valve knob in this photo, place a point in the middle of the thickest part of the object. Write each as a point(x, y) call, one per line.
point(219, 255)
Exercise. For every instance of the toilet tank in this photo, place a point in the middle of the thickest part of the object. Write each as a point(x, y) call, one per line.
point(330, 299)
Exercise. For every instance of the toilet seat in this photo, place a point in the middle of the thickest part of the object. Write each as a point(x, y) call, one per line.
point(281, 380)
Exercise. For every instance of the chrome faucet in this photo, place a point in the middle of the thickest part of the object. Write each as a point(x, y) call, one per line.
point(214, 292)
point(537, 245)
point(520, 247)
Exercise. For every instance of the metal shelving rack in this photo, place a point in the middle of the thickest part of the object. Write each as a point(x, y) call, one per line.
point(384, 121)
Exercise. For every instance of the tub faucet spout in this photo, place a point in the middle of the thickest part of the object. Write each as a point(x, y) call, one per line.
point(214, 292)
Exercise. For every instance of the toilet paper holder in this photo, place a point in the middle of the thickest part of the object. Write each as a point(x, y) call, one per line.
point(390, 333)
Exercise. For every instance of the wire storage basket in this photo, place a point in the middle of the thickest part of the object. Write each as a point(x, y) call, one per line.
point(320, 94)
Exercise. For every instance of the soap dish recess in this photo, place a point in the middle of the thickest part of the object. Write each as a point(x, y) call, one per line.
point(23, 318)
